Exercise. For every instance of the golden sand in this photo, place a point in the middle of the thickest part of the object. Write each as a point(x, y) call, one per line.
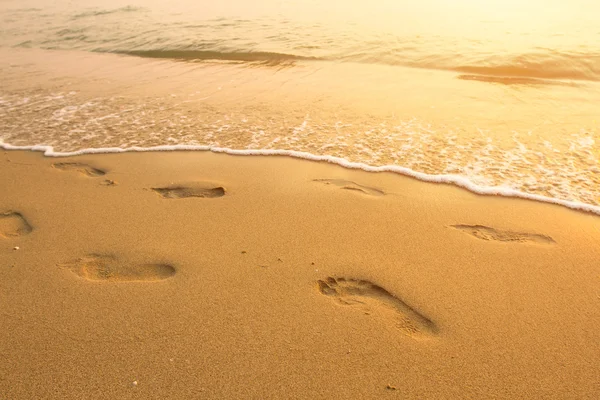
point(196, 275)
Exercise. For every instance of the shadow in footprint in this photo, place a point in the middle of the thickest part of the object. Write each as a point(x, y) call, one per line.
point(373, 299)
point(109, 268)
point(80, 167)
point(192, 190)
point(486, 233)
point(13, 224)
point(353, 186)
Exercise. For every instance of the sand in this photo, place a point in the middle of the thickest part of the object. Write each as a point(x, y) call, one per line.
point(196, 275)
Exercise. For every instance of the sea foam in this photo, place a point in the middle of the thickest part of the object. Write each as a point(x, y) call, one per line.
point(452, 179)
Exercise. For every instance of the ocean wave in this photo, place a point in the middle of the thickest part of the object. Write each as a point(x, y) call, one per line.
point(96, 13)
point(522, 69)
point(551, 65)
point(138, 32)
point(546, 64)
point(244, 56)
point(451, 179)
point(513, 80)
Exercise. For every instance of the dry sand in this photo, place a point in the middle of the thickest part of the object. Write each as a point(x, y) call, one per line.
point(195, 275)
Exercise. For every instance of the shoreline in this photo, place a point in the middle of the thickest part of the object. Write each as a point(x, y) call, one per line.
point(374, 117)
point(449, 179)
point(182, 274)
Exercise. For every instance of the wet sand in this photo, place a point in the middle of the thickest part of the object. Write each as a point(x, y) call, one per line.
point(197, 275)
point(532, 134)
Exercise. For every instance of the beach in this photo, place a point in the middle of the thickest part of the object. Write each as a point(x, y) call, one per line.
point(299, 199)
point(176, 275)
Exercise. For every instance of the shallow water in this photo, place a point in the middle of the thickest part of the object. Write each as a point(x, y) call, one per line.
point(504, 93)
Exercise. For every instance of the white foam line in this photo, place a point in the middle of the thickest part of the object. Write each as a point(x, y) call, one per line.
point(457, 180)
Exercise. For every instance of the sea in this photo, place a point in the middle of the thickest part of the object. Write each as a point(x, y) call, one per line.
point(501, 97)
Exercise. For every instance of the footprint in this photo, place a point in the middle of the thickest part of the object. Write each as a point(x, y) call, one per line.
point(192, 190)
point(373, 299)
point(108, 182)
point(13, 224)
point(349, 185)
point(487, 233)
point(79, 167)
point(108, 268)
